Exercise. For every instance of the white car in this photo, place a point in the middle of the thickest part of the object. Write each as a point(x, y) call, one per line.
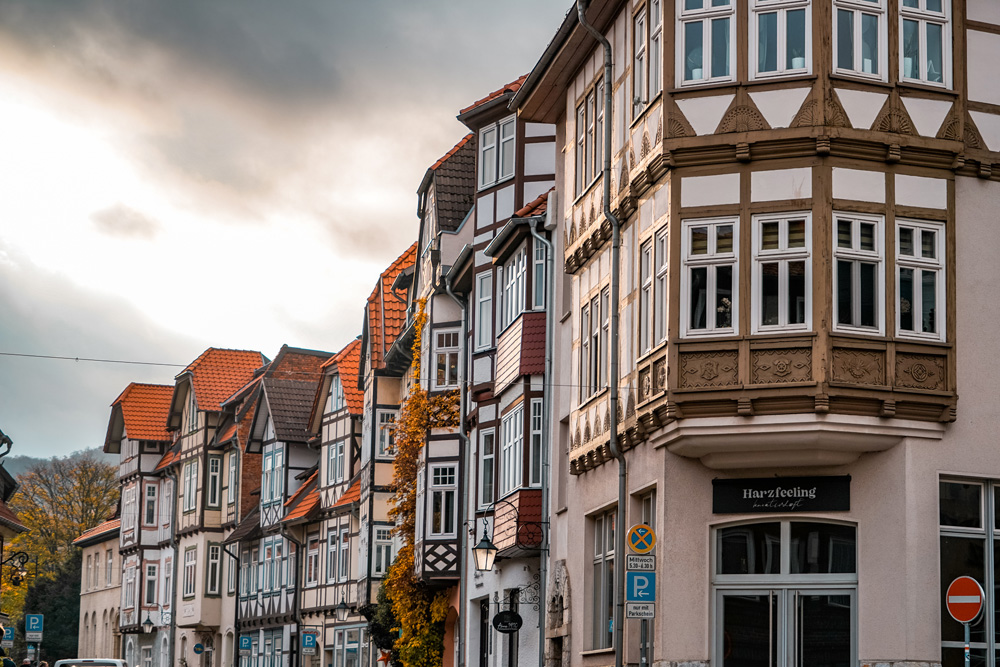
point(91, 662)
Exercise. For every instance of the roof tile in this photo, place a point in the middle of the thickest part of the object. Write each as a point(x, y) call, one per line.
point(352, 495)
point(510, 87)
point(386, 313)
point(218, 373)
point(144, 409)
point(108, 526)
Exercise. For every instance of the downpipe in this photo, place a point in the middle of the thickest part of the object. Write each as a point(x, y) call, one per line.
point(298, 589)
point(619, 620)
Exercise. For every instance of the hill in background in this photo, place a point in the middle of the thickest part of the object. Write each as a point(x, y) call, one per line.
point(16, 465)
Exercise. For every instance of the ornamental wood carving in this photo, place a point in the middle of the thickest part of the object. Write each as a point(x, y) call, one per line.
point(645, 148)
point(645, 385)
point(921, 371)
point(586, 431)
point(678, 126)
point(893, 117)
point(660, 375)
point(785, 365)
point(630, 406)
point(859, 366)
point(807, 114)
point(835, 114)
point(708, 369)
point(744, 118)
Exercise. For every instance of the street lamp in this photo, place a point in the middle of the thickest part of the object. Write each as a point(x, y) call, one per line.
point(342, 610)
point(16, 562)
point(147, 625)
point(485, 553)
point(526, 535)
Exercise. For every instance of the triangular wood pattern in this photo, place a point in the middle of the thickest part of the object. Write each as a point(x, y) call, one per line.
point(951, 128)
point(808, 114)
point(835, 114)
point(742, 116)
point(893, 117)
point(972, 136)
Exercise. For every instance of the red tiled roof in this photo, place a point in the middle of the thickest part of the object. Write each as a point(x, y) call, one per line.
point(385, 308)
point(107, 527)
point(510, 87)
point(307, 499)
point(167, 459)
point(144, 409)
point(352, 495)
point(228, 433)
point(347, 361)
point(217, 373)
point(9, 519)
point(454, 150)
point(535, 207)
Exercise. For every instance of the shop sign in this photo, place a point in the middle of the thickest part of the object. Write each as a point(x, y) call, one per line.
point(640, 610)
point(507, 621)
point(782, 494)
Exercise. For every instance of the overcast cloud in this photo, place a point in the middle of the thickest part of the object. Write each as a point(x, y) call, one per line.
point(232, 173)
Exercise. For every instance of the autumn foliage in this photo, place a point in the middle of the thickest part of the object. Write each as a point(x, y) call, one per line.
point(419, 610)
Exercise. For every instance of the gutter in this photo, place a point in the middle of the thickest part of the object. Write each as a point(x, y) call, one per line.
point(463, 507)
point(543, 565)
point(616, 239)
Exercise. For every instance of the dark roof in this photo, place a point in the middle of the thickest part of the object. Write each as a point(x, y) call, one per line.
point(249, 528)
point(454, 177)
point(290, 402)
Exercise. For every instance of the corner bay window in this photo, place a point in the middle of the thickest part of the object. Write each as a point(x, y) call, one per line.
point(785, 589)
point(594, 336)
point(920, 279)
point(511, 450)
point(859, 38)
point(858, 279)
point(780, 37)
point(782, 278)
point(924, 41)
point(487, 466)
point(443, 492)
point(513, 280)
point(709, 304)
point(705, 30)
point(590, 138)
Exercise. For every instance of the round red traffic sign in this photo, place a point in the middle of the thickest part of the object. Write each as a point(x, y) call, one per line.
point(964, 599)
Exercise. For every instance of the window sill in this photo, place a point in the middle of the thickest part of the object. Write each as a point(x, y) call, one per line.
point(713, 86)
point(859, 78)
point(500, 181)
point(588, 188)
point(597, 651)
point(927, 87)
point(590, 400)
point(638, 118)
point(763, 80)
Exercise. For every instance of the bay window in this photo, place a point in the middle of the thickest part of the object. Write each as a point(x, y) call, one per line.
point(190, 571)
point(484, 310)
point(535, 444)
point(780, 37)
point(511, 450)
point(590, 138)
point(705, 33)
point(231, 486)
point(660, 288)
point(383, 550)
point(581, 147)
point(782, 277)
point(709, 300)
point(496, 152)
point(445, 359)
point(858, 280)
point(920, 295)
point(645, 295)
point(331, 556)
point(214, 480)
point(387, 432)
point(443, 491)
point(647, 54)
point(924, 42)
point(487, 466)
point(213, 574)
point(149, 513)
point(514, 278)
point(859, 38)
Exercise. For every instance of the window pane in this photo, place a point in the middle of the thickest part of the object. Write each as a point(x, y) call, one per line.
point(699, 240)
point(724, 238)
point(720, 3)
point(752, 549)
point(845, 39)
point(961, 556)
point(724, 296)
point(868, 294)
point(796, 292)
point(699, 280)
point(932, 5)
point(750, 625)
point(507, 159)
point(869, 44)
point(694, 4)
point(844, 233)
point(911, 50)
point(867, 236)
point(693, 38)
point(767, 42)
point(906, 299)
point(796, 233)
point(720, 47)
point(960, 504)
point(769, 294)
point(928, 301)
point(928, 243)
point(935, 68)
point(825, 630)
point(911, 3)
point(822, 548)
point(845, 314)
point(769, 236)
point(906, 241)
point(796, 39)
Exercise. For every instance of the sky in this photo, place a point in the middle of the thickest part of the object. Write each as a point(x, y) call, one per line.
point(180, 174)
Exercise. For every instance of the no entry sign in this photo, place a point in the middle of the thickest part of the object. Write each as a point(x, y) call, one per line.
point(964, 599)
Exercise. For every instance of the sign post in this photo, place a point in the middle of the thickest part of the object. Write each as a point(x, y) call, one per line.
point(309, 641)
point(964, 600)
point(245, 645)
point(640, 584)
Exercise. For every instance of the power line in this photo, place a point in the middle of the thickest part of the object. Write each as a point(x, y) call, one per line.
point(100, 361)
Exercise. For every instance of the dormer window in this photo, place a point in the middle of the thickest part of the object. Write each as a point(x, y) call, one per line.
point(496, 152)
point(192, 411)
point(335, 395)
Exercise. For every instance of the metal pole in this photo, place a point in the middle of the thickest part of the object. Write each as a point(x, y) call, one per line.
point(966, 644)
point(643, 658)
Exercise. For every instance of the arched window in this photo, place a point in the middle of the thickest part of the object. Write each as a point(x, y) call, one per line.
point(785, 593)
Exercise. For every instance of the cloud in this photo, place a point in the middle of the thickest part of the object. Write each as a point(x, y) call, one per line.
point(122, 221)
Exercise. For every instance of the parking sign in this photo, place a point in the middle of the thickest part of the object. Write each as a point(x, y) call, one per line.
point(33, 626)
point(640, 587)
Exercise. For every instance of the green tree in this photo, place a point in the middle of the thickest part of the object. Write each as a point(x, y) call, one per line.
point(58, 598)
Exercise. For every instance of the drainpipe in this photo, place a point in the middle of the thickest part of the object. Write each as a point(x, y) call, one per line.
point(236, 616)
point(298, 591)
point(543, 565)
point(172, 474)
point(619, 621)
point(463, 507)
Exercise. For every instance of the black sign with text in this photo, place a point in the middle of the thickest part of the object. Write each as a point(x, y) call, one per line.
point(507, 621)
point(781, 494)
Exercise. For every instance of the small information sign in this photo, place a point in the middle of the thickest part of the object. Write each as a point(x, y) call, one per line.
point(8, 638)
point(640, 610)
point(34, 624)
point(309, 640)
point(640, 562)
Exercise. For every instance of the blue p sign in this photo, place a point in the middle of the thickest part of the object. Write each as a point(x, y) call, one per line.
point(8, 634)
point(246, 643)
point(34, 622)
point(309, 639)
point(640, 587)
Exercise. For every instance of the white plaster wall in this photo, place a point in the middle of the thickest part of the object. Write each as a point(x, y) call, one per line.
point(986, 11)
point(539, 159)
point(781, 184)
point(484, 211)
point(710, 190)
point(921, 191)
point(858, 185)
point(505, 202)
point(983, 55)
point(532, 189)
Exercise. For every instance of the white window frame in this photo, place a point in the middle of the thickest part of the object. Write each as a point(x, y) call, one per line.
point(344, 563)
point(331, 555)
point(705, 16)
point(857, 256)
point(109, 568)
point(875, 8)
point(149, 591)
point(214, 481)
point(535, 444)
point(231, 566)
point(711, 261)
point(597, 163)
point(585, 353)
point(190, 485)
point(312, 560)
point(538, 277)
point(383, 550)
point(335, 462)
point(190, 571)
point(511, 451)
point(443, 486)
point(147, 656)
point(231, 486)
point(386, 420)
point(514, 275)
point(604, 561)
point(213, 573)
point(492, 151)
point(484, 310)
point(936, 265)
point(924, 17)
point(487, 434)
point(168, 590)
point(149, 505)
point(598, 344)
point(446, 354)
point(782, 256)
point(335, 397)
point(581, 180)
point(781, 8)
point(192, 410)
point(645, 324)
point(640, 90)
point(661, 253)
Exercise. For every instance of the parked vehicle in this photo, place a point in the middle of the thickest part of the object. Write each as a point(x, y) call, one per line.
point(91, 662)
